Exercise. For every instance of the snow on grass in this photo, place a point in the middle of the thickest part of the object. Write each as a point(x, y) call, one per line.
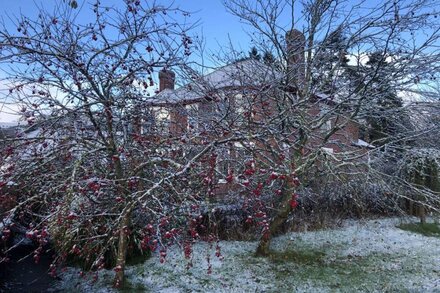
point(372, 256)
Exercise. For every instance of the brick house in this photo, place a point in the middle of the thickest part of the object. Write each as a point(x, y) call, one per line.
point(238, 87)
point(241, 90)
point(245, 90)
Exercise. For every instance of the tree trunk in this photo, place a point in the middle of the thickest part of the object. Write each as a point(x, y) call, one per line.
point(122, 250)
point(279, 219)
point(422, 213)
point(411, 208)
point(284, 206)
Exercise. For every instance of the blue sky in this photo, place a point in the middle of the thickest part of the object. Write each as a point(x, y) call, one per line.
point(216, 25)
point(215, 22)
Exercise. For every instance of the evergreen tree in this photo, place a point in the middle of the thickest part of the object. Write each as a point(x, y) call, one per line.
point(331, 57)
point(254, 54)
point(384, 113)
point(268, 58)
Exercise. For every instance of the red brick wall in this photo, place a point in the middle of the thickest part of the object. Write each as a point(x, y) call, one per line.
point(178, 120)
point(342, 139)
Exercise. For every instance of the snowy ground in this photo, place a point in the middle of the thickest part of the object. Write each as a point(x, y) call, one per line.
point(370, 256)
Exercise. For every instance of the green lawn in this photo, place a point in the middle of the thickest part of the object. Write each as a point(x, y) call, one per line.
point(370, 256)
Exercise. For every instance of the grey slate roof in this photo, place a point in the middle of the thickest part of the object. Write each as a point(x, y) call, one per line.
point(243, 74)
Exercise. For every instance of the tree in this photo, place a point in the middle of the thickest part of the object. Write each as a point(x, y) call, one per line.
point(316, 96)
point(253, 54)
point(268, 58)
point(331, 60)
point(95, 169)
point(420, 169)
point(87, 172)
point(385, 113)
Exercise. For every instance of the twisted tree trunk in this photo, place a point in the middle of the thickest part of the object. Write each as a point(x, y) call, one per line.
point(279, 219)
point(284, 208)
point(122, 249)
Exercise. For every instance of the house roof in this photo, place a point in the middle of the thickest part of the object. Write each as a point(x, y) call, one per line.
point(247, 74)
point(243, 74)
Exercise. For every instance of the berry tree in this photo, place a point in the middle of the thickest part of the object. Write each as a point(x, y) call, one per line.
point(86, 173)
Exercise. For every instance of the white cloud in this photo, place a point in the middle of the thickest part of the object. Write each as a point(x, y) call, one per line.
point(8, 113)
point(8, 110)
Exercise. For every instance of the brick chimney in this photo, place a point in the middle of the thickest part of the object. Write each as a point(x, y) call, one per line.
point(166, 79)
point(295, 41)
point(178, 116)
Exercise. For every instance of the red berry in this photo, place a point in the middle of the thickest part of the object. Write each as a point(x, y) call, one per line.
point(273, 176)
point(249, 172)
point(72, 216)
point(293, 203)
point(230, 177)
point(118, 268)
point(249, 220)
point(260, 214)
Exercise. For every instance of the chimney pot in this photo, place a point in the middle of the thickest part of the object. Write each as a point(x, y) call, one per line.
point(166, 79)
